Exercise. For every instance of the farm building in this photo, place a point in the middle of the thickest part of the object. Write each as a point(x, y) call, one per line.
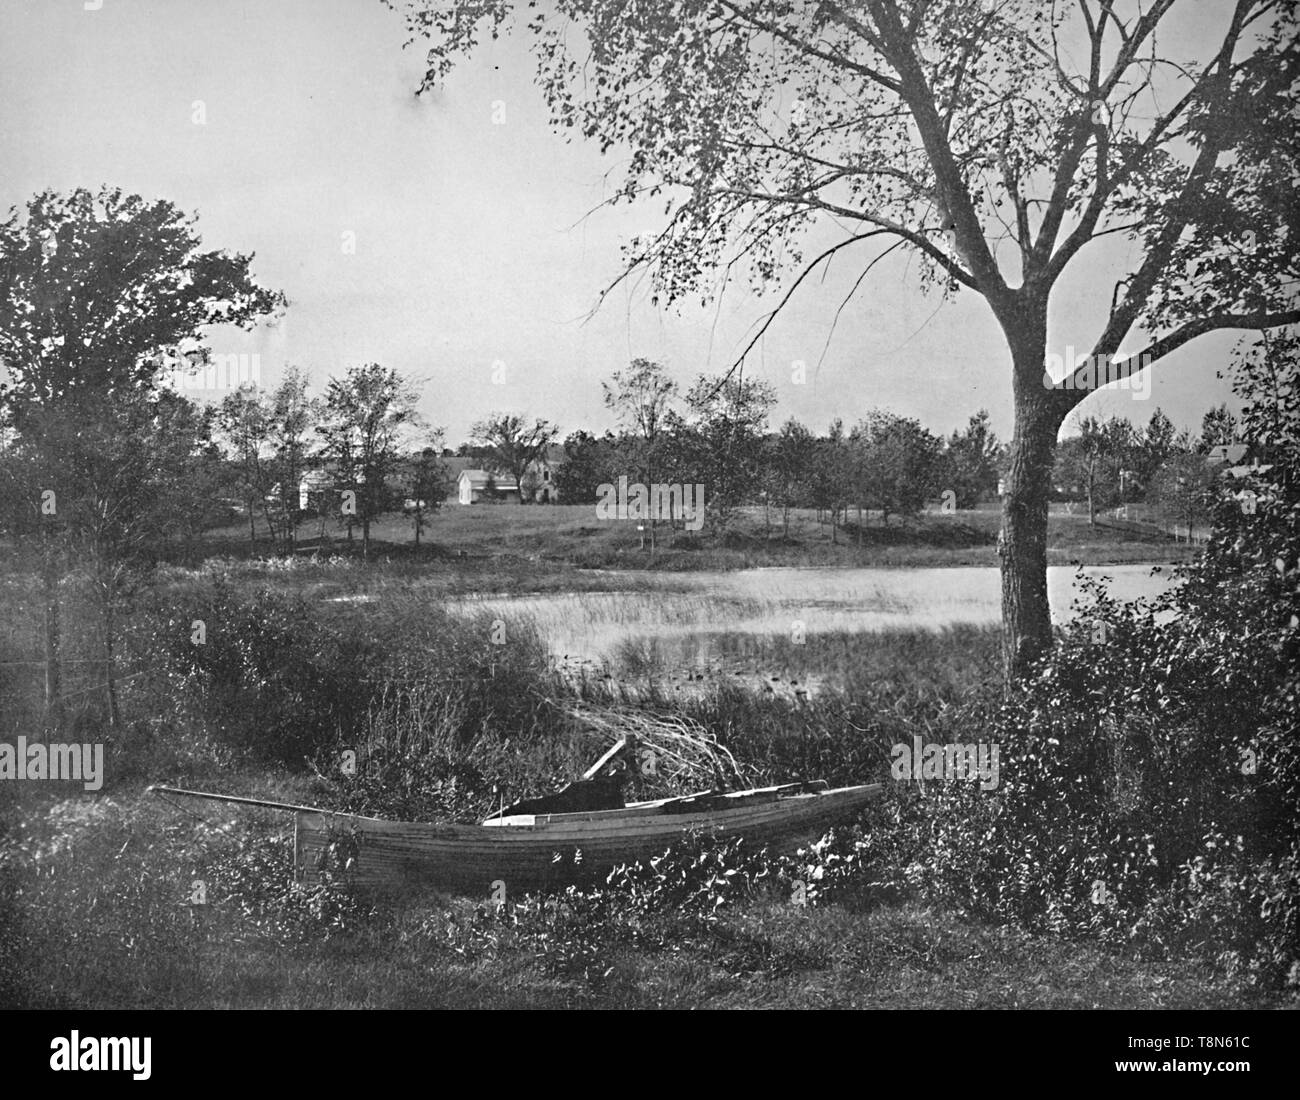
point(472, 483)
point(478, 486)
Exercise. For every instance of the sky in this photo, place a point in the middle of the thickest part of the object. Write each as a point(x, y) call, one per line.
point(456, 238)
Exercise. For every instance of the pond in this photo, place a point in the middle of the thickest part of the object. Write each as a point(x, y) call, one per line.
point(685, 609)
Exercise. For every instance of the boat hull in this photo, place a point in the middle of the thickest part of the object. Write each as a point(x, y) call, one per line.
point(528, 853)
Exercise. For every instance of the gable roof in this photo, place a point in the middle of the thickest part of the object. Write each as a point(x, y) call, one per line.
point(1231, 453)
point(478, 479)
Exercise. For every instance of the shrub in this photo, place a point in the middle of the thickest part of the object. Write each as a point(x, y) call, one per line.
point(281, 679)
point(1150, 774)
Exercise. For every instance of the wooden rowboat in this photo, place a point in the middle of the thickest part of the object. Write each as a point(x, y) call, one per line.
point(531, 851)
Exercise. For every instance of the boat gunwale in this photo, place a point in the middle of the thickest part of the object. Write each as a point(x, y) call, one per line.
point(530, 823)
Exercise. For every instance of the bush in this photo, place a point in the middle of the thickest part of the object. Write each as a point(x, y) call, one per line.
point(279, 677)
point(1150, 776)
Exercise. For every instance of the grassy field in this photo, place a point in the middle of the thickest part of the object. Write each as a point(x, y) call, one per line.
point(544, 537)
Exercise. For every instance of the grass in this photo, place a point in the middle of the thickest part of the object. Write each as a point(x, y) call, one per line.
point(749, 621)
point(541, 541)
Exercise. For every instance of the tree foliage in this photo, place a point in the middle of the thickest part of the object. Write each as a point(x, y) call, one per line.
point(103, 291)
point(514, 446)
point(364, 416)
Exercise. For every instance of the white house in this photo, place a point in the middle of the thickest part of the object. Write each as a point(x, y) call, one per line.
point(539, 481)
point(313, 485)
point(472, 487)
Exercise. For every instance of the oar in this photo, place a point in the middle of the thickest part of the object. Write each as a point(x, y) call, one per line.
point(158, 788)
point(594, 770)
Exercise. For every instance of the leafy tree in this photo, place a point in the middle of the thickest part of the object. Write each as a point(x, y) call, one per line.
point(588, 463)
point(514, 445)
point(363, 417)
point(728, 420)
point(104, 291)
point(971, 461)
point(1123, 446)
point(1158, 443)
point(1265, 378)
point(993, 141)
point(641, 399)
point(1184, 490)
point(901, 463)
point(834, 470)
point(427, 484)
point(1091, 462)
point(1218, 427)
point(790, 462)
point(101, 292)
point(243, 424)
point(130, 480)
point(290, 419)
point(135, 478)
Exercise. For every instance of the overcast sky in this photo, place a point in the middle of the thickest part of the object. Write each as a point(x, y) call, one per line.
point(288, 125)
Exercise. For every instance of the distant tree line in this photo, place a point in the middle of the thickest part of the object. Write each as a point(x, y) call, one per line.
point(885, 463)
point(1110, 463)
point(105, 466)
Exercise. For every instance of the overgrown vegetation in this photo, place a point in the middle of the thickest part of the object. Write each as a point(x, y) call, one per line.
point(1145, 806)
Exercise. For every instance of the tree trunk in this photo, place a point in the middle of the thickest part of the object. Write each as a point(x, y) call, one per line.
point(1022, 542)
point(1092, 508)
point(110, 658)
point(270, 523)
point(53, 669)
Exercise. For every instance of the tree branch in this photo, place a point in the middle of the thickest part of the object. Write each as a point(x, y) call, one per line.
point(808, 270)
point(1078, 384)
point(1180, 209)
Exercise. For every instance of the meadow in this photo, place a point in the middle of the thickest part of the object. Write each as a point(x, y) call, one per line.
point(545, 537)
